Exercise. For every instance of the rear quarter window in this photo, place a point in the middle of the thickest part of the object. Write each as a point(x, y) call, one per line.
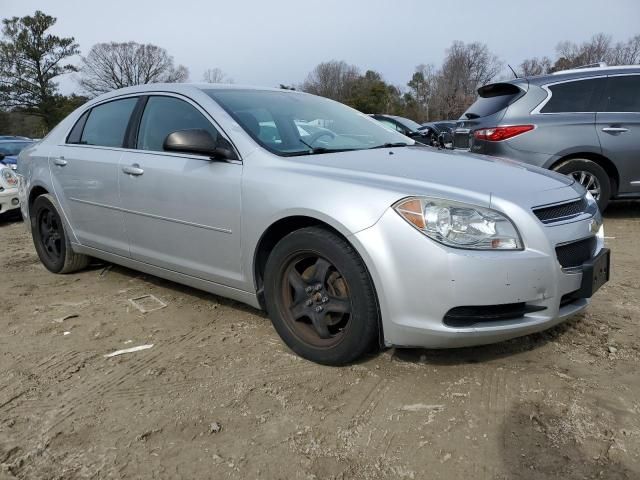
point(575, 96)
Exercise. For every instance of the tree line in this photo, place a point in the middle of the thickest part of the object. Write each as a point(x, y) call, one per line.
point(31, 59)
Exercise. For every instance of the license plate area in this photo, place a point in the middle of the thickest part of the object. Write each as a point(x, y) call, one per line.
point(595, 273)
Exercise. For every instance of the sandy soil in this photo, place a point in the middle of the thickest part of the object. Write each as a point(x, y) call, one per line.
point(219, 396)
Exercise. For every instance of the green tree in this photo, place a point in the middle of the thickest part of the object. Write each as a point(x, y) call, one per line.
point(30, 60)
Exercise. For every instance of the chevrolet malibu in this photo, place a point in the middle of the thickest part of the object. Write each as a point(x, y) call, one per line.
point(351, 236)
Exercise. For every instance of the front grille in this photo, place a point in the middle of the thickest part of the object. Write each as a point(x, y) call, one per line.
point(564, 211)
point(574, 254)
point(461, 139)
point(472, 315)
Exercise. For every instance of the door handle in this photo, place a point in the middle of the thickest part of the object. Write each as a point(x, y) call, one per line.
point(133, 170)
point(60, 161)
point(615, 129)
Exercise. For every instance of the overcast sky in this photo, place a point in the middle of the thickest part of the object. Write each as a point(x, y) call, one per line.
point(280, 41)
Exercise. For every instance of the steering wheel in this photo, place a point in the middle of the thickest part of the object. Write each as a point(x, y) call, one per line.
point(313, 137)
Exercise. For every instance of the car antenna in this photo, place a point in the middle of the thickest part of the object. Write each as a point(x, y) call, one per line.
point(514, 72)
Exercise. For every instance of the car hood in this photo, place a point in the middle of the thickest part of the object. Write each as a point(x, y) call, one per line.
point(427, 171)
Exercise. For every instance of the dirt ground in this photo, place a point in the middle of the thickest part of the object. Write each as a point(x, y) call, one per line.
point(219, 396)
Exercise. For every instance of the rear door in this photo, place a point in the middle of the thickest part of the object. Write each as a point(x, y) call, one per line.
point(85, 175)
point(618, 127)
point(182, 211)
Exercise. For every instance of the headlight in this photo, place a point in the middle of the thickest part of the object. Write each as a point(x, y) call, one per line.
point(8, 177)
point(460, 225)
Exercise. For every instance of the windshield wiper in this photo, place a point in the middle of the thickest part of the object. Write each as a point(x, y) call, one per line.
point(315, 150)
point(390, 145)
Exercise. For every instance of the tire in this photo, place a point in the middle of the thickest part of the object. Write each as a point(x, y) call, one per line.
point(320, 297)
point(578, 168)
point(51, 240)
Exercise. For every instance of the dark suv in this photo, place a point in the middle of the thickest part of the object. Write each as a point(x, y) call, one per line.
point(583, 122)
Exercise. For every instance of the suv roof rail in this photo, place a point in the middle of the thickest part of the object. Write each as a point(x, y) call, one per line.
point(589, 66)
point(601, 66)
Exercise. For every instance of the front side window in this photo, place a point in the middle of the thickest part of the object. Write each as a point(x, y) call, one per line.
point(291, 123)
point(107, 123)
point(623, 94)
point(165, 115)
point(574, 97)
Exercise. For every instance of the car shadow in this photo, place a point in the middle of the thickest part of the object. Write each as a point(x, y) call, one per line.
point(102, 269)
point(623, 209)
point(542, 442)
point(486, 353)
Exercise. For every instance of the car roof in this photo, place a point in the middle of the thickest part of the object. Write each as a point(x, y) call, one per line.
point(185, 88)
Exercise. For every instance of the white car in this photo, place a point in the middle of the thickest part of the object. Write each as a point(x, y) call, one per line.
point(8, 190)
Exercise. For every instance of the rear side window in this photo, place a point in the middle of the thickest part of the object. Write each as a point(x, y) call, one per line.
point(574, 97)
point(164, 115)
point(623, 94)
point(107, 123)
point(492, 98)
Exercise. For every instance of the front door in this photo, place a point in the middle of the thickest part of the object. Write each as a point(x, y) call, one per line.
point(618, 128)
point(182, 211)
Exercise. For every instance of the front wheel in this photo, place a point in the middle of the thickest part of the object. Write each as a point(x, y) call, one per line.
point(591, 176)
point(320, 297)
point(51, 240)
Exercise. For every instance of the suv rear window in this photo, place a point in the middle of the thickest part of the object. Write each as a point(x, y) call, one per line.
point(623, 94)
point(492, 98)
point(574, 97)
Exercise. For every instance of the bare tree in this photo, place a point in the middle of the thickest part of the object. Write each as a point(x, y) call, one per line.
point(422, 88)
point(625, 53)
point(535, 66)
point(216, 75)
point(466, 68)
point(109, 66)
point(333, 79)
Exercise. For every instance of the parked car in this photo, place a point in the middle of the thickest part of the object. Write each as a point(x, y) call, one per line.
point(9, 200)
point(9, 150)
point(440, 126)
point(405, 126)
point(583, 122)
point(440, 134)
point(351, 236)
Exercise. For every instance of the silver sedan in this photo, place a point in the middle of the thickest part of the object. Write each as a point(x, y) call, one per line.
point(351, 236)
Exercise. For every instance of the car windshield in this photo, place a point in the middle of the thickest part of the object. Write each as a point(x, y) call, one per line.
point(13, 148)
point(290, 123)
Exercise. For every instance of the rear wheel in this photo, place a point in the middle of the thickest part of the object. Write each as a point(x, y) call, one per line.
point(50, 239)
point(320, 297)
point(591, 176)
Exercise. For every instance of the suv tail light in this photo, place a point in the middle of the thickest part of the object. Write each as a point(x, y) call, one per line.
point(497, 134)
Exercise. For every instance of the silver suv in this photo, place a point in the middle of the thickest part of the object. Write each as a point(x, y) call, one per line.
point(583, 122)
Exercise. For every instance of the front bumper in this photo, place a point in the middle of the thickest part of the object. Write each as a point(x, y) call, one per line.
point(9, 200)
point(418, 281)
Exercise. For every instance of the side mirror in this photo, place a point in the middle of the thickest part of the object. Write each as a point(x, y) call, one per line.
point(199, 141)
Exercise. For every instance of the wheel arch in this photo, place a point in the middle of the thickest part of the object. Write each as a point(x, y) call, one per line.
point(604, 162)
point(35, 192)
point(281, 228)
